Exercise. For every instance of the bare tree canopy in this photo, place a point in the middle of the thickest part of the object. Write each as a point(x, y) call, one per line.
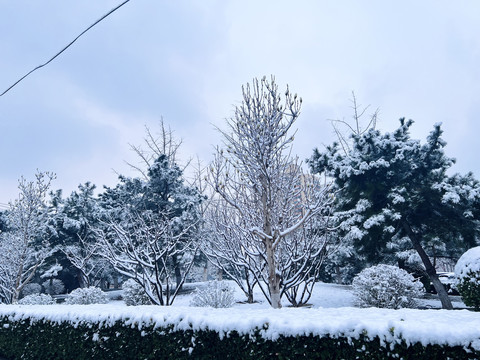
point(24, 248)
point(263, 185)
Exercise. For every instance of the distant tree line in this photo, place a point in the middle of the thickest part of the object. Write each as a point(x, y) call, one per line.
point(254, 213)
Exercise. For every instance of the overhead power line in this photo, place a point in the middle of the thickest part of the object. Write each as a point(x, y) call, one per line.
point(66, 47)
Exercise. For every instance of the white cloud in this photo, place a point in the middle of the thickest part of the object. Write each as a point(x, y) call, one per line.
point(186, 61)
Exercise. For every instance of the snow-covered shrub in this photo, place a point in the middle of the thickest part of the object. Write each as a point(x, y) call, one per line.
point(85, 296)
point(134, 294)
point(37, 299)
point(386, 286)
point(53, 286)
point(467, 272)
point(217, 294)
point(31, 288)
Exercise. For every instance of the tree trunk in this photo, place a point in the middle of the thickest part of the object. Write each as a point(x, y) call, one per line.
point(205, 272)
point(178, 271)
point(430, 269)
point(250, 296)
point(82, 279)
point(219, 274)
point(273, 277)
point(249, 287)
point(178, 276)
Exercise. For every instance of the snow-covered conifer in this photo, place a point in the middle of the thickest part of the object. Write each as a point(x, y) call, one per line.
point(392, 187)
point(76, 216)
point(149, 230)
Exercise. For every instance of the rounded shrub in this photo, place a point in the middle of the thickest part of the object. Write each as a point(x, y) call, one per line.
point(386, 286)
point(37, 299)
point(86, 296)
point(134, 294)
point(31, 288)
point(53, 286)
point(217, 294)
point(467, 272)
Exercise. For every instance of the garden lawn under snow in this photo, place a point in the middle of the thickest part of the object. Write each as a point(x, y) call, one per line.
point(331, 313)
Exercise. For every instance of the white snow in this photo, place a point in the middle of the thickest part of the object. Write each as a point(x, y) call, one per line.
point(331, 313)
point(468, 262)
point(459, 327)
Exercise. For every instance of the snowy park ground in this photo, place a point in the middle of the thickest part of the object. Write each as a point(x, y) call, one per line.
point(331, 312)
point(324, 296)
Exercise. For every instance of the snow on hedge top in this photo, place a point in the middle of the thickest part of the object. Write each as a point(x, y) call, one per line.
point(458, 327)
point(468, 262)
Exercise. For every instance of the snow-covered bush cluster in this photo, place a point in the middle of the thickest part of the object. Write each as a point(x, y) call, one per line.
point(86, 296)
point(31, 288)
point(134, 294)
point(217, 294)
point(53, 286)
point(467, 272)
point(386, 286)
point(37, 299)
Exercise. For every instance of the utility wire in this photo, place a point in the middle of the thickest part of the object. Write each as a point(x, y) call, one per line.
point(66, 47)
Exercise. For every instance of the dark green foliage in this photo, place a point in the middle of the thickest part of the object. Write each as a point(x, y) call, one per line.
point(74, 218)
point(3, 221)
point(392, 187)
point(469, 289)
point(47, 340)
point(405, 184)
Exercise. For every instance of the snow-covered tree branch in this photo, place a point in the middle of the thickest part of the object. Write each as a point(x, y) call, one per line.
point(83, 256)
point(262, 183)
point(25, 246)
point(142, 248)
point(394, 188)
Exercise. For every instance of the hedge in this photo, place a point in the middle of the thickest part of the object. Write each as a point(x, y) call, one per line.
point(24, 338)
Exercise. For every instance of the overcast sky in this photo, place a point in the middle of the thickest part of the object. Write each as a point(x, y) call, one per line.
point(185, 61)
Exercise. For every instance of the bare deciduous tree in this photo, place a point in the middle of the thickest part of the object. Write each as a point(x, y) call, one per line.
point(225, 244)
point(155, 145)
point(84, 258)
point(355, 126)
point(25, 246)
point(142, 248)
point(256, 175)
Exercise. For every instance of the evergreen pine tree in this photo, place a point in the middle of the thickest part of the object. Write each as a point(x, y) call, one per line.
point(392, 187)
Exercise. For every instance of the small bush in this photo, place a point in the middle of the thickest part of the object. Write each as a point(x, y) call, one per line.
point(134, 294)
point(31, 288)
point(86, 296)
point(53, 286)
point(386, 286)
point(467, 272)
point(217, 294)
point(37, 299)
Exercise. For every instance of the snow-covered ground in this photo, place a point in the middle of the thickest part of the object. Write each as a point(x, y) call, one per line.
point(331, 313)
point(324, 295)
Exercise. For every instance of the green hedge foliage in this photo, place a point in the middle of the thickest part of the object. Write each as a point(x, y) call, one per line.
point(38, 340)
point(469, 288)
